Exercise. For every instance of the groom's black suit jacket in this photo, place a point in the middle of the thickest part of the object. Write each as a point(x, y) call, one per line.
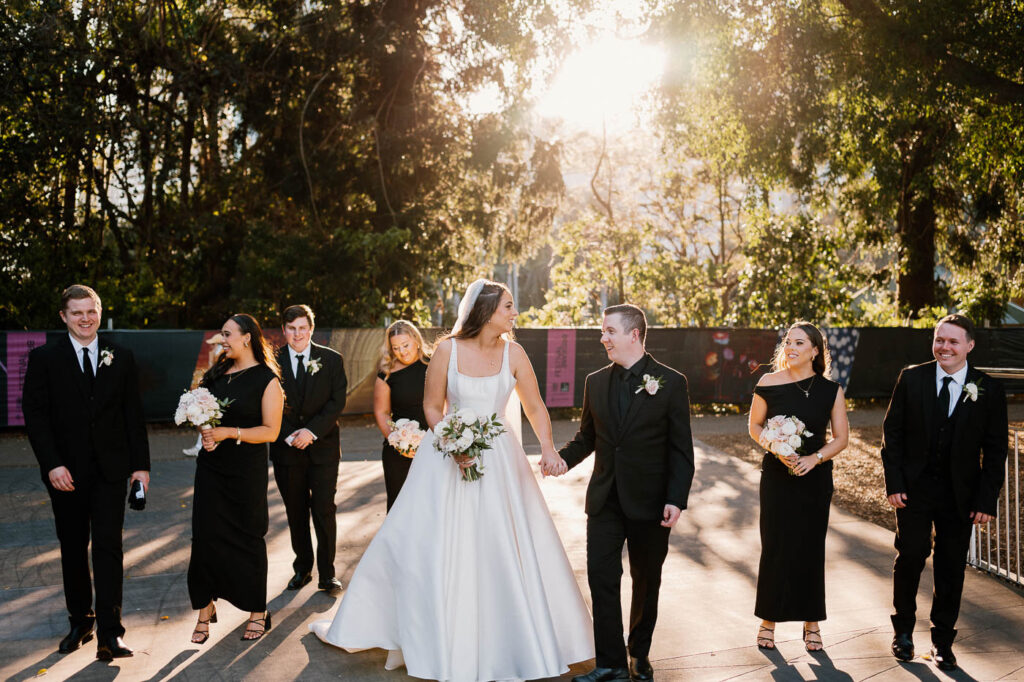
point(979, 439)
point(67, 426)
point(316, 407)
point(648, 457)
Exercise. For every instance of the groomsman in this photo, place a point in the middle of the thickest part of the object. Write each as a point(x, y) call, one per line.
point(307, 453)
point(636, 421)
point(943, 449)
point(83, 414)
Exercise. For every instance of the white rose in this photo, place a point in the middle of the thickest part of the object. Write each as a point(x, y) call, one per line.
point(465, 440)
point(788, 429)
point(784, 449)
point(400, 424)
point(651, 386)
point(794, 441)
point(179, 415)
point(466, 415)
point(769, 434)
point(193, 413)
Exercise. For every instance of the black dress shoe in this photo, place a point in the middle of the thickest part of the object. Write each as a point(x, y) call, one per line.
point(298, 580)
point(604, 675)
point(112, 647)
point(903, 646)
point(640, 668)
point(79, 635)
point(332, 586)
point(943, 656)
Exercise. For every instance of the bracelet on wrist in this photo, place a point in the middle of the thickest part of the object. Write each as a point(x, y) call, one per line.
point(238, 435)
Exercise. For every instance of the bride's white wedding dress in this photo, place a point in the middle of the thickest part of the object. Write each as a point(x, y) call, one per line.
point(467, 581)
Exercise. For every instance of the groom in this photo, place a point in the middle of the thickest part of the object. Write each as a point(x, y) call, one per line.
point(943, 449)
point(636, 421)
point(83, 415)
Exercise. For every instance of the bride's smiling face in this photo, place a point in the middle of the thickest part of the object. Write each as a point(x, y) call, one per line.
point(504, 318)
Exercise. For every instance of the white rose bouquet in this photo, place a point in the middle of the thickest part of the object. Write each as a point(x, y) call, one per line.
point(463, 434)
point(784, 436)
point(200, 408)
point(406, 436)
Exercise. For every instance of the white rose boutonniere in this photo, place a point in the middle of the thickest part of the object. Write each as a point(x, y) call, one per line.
point(652, 384)
point(313, 366)
point(106, 357)
point(972, 390)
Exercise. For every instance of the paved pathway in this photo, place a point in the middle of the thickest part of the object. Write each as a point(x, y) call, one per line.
point(705, 631)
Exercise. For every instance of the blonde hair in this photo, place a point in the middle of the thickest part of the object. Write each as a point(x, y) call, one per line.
point(387, 356)
point(822, 364)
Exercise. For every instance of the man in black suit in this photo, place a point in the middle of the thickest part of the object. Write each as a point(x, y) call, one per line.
point(307, 453)
point(636, 419)
point(83, 414)
point(943, 449)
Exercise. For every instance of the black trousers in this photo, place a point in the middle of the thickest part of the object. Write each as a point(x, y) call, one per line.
point(94, 509)
point(308, 489)
point(647, 545)
point(930, 505)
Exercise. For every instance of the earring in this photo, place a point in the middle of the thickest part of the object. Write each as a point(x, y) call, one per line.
point(245, 343)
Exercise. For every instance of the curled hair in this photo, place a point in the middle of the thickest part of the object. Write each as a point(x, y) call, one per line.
point(398, 327)
point(483, 309)
point(261, 350)
point(822, 364)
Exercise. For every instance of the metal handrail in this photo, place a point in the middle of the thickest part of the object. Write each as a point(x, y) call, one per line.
point(1006, 523)
point(1003, 372)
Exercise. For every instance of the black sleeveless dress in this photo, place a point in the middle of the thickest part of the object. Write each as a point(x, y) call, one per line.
point(229, 506)
point(794, 511)
point(406, 387)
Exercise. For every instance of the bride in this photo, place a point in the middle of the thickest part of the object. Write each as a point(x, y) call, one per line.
point(468, 580)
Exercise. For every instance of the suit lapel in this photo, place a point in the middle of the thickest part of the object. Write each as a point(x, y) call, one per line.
point(600, 397)
point(74, 368)
point(309, 377)
point(962, 409)
point(102, 371)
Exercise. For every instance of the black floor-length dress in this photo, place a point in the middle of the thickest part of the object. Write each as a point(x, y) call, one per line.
point(406, 387)
point(229, 512)
point(794, 511)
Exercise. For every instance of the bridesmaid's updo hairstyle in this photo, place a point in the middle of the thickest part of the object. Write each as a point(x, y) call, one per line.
point(397, 328)
point(486, 303)
point(822, 363)
point(261, 350)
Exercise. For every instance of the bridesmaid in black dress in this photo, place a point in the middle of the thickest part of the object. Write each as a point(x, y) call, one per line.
point(796, 490)
point(398, 394)
point(229, 514)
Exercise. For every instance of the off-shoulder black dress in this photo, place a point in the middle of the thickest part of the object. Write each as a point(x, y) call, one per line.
point(406, 386)
point(794, 510)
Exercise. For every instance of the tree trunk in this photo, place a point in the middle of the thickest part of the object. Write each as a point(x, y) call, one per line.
point(915, 227)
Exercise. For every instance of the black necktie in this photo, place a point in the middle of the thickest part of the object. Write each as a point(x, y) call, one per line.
point(624, 394)
point(944, 398)
point(87, 368)
point(300, 371)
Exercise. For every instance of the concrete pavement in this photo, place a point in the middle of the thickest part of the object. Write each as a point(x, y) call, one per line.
point(705, 632)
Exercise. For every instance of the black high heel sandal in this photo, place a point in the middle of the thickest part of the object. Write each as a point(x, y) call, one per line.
point(812, 639)
point(765, 642)
point(264, 622)
point(206, 633)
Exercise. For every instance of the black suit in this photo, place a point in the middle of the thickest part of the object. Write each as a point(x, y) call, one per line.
point(99, 434)
point(308, 478)
point(948, 467)
point(643, 461)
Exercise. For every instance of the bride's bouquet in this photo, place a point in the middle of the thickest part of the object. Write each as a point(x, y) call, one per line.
point(784, 436)
point(405, 436)
point(463, 434)
point(200, 408)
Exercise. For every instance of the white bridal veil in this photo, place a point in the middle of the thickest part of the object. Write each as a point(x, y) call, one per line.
point(513, 413)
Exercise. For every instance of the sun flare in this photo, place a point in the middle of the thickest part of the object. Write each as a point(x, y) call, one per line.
point(603, 83)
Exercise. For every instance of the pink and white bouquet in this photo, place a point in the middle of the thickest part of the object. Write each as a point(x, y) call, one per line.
point(464, 434)
point(406, 436)
point(784, 436)
point(200, 408)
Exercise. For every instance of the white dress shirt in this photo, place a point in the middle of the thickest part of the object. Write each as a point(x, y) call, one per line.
point(294, 357)
point(94, 352)
point(956, 386)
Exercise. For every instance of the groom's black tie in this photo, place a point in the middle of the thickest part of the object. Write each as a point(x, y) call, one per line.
point(944, 398)
point(87, 369)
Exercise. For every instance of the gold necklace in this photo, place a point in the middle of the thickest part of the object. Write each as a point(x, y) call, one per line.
point(806, 391)
point(232, 375)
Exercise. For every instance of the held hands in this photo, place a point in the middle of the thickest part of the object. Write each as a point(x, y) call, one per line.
point(302, 438)
point(803, 465)
point(551, 464)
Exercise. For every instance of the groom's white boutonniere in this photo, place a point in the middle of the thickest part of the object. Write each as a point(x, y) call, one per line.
point(651, 384)
point(313, 366)
point(972, 391)
point(106, 357)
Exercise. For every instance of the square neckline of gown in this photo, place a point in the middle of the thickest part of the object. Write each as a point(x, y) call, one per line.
point(504, 358)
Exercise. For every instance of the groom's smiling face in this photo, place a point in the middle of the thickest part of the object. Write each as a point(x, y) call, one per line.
point(621, 345)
